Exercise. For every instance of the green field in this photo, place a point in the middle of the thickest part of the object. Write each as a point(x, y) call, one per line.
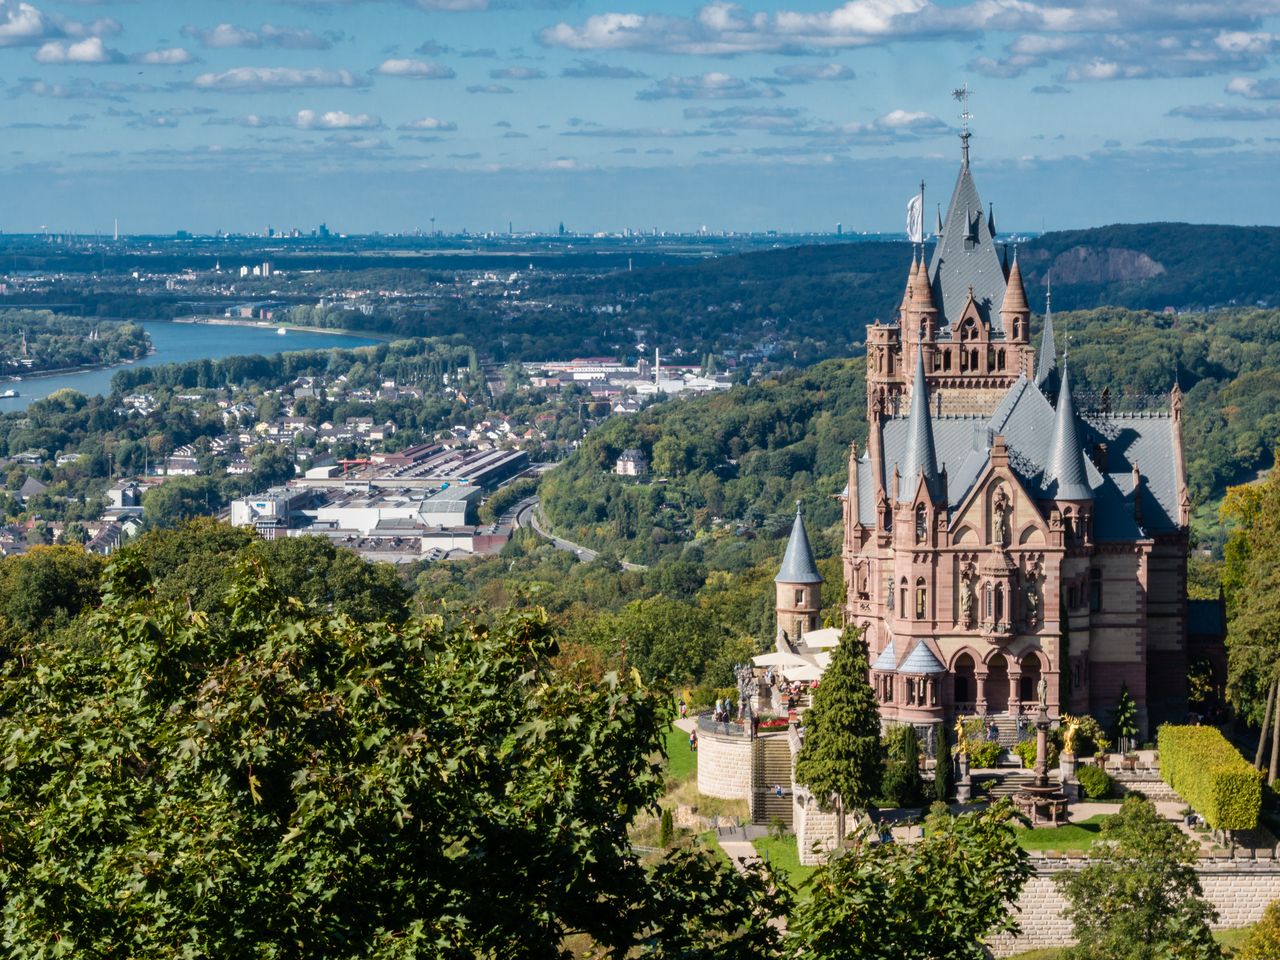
point(1071, 836)
point(783, 856)
point(682, 763)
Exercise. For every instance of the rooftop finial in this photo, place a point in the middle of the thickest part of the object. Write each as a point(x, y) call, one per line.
point(962, 94)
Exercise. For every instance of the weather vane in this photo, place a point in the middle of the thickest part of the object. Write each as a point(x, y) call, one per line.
point(962, 94)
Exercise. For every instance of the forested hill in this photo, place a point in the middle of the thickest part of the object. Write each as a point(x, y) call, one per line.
point(729, 467)
point(816, 300)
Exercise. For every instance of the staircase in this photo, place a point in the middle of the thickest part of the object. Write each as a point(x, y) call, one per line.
point(1012, 783)
point(772, 760)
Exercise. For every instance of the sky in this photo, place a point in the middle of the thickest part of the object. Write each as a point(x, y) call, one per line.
point(793, 115)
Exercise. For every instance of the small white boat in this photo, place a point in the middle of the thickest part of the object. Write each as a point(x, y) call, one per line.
point(281, 331)
point(8, 393)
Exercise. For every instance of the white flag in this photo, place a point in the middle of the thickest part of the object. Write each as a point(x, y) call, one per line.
point(915, 219)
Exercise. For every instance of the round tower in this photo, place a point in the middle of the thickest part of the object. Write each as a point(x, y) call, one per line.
point(799, 587)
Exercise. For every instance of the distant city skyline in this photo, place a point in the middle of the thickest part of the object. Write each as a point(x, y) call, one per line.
point(379, 115)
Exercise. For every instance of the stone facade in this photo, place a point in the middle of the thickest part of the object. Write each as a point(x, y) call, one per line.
point(993, 538)
point(1239, 889)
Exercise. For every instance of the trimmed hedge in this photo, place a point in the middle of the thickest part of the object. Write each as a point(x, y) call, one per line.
point(1095, 783)
point(1211, 775)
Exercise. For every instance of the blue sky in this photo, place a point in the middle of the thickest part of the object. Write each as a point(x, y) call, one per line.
point(782, 114)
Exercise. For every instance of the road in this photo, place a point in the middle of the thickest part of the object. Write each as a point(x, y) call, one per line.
point(525, 514)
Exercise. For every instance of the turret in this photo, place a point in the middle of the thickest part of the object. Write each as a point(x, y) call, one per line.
point(1015, 314)
point(1067, 476)
point(799, 586)
point(922, 457)
point(1047, 362)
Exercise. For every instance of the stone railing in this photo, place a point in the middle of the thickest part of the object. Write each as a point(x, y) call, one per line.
point(729, 728)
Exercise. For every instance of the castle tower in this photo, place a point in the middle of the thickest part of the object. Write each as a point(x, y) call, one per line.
point(799, 586)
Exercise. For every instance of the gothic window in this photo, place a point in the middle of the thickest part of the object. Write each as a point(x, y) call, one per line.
point(1000, 360)
point(1095, 590)
point(946, 360)
point(902, 597)
point(922, 524)
point(999, 603)
point(969, 331)
point(1068, 525)
point(973, 359)
point(1017, 327)
point(889, 354)
point(920, 598)
point(988, 608)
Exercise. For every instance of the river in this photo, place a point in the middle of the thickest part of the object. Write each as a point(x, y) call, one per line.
point(177, 343)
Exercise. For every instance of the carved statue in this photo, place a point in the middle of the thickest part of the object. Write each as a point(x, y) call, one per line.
point(961, 749)
point(1042, 691)
point(966, 596)
point(1000, 510)
point(1033, 599)
point(1070, 731)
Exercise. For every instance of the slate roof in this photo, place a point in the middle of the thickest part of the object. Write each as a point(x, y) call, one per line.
point(921, 457)
point(1027, 419)
point(921, 660)
point(965, 256)
point(887, 662)
point(1066, 477)
point(1047, 357)
point(797, 562)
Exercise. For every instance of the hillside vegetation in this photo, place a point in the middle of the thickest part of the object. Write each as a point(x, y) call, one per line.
point(728, 468)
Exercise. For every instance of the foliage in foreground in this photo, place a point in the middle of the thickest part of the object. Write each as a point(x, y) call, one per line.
point(1263, 942)
point(1203, 767)
point(257, 779)
point(1140, 898)
point(940, 897)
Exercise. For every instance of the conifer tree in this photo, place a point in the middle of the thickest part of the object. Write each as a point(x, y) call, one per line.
point(942, 765)
point(1125, 724)
point(842, 761)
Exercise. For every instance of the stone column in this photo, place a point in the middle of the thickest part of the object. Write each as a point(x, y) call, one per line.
point(980, 701)
point(1015, 687)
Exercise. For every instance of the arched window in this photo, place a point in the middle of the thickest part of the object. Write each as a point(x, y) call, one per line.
point(902, 597)
point(920, 598)
point(973, 359)
point(1000, 360)
point(1017, 327)
point(922, 524)
point(999, 601)
point(987, 604)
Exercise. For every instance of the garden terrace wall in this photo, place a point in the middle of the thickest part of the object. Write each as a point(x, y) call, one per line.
point(724, 763)
point(1239, 888)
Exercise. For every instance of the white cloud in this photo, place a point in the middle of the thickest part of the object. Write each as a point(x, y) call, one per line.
point(1253, 89)
point(496, 88)
point(1225, 111)
point(259, 79)
point(417, 69)
point(336, 120)
point(173, 56)
point(599, 70)
point(429, 123)
point(227, 36)
point(25, 25)
point(89, 50)
point(517, 73)
point(705, 86)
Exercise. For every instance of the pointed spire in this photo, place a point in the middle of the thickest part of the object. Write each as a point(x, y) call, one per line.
point(991, 220)
point(1015, 294)
point(906, 294)
point(922, 456)
point(1067, 477)
point(922, 291)
point(939, 232)
point(797, 561)
point(1047, 362)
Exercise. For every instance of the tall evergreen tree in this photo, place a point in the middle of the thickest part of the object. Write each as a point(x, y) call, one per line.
point(842, 761)
point(942, 765)
point(1125, 723)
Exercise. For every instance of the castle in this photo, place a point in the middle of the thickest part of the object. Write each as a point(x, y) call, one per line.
point(997, 529)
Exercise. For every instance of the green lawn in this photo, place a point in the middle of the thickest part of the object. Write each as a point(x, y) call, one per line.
point(1071, 836)
point(783, 856)
point(682, 763)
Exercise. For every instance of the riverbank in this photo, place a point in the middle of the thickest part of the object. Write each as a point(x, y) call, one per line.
point(82, 368)
point(271, 325)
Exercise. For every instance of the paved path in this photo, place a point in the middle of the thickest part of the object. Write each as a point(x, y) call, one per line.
point(740, 852)
point(526, 515)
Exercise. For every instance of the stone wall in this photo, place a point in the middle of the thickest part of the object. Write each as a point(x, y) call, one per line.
point(813, 828)
point(724, 766)
point(1240, 889)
